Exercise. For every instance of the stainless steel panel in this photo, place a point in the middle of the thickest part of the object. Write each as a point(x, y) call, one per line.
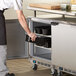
point(15, 40)
point(64, 46)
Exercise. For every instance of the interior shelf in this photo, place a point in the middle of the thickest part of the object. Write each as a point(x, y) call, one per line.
point(43, 35)
point(45, 56)
point(42, 47)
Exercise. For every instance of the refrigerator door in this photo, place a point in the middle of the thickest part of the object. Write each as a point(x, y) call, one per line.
point(17, 47)
point(64, 46)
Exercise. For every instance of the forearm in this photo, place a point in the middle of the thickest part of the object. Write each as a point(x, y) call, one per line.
point(23, 23)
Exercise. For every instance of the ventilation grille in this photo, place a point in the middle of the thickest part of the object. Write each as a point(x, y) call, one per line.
point(41, 63)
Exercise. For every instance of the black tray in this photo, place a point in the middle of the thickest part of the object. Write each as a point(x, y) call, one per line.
point(40, 41)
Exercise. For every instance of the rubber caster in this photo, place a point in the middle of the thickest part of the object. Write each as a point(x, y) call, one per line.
point(10, 74)
point(55, 73)
point(61, 74)
point(34, 67)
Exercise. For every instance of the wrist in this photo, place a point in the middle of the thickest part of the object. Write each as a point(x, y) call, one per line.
point(29, 33)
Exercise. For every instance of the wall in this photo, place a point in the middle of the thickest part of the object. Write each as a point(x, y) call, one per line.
point(11, 14)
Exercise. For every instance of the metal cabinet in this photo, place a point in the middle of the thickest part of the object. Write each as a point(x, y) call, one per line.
point(61, 56)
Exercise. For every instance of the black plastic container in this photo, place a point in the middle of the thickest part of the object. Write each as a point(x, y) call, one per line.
point(38, 30)
point(42, 28)
point(40, 41)
point(43, 41)
point(46, 30)
point(28, 39)
point(47, 42)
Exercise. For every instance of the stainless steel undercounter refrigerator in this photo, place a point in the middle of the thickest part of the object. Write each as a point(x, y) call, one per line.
point(55, 46)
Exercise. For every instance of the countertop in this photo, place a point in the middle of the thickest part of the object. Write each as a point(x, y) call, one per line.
point(72, 13)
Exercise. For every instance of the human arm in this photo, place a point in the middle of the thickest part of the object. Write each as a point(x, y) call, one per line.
point(23, 23)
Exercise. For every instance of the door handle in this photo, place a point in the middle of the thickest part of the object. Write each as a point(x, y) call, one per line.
point(54, 23)
point(28, 39)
